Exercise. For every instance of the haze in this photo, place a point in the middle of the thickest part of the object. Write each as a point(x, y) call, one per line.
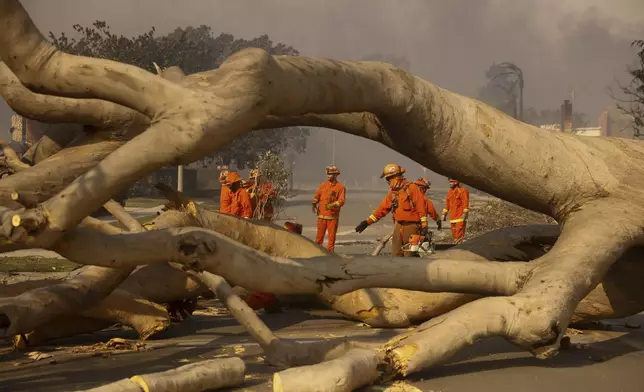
point(560, 45)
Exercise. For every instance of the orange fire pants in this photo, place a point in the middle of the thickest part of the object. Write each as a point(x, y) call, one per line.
point(458, 231)
point(258, 300)
point(324, 225)
point(402, 232)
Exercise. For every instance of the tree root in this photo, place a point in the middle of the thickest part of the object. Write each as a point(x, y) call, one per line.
point(195, 377)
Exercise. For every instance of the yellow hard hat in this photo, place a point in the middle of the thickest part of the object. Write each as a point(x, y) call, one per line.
point(392, 170)
point(332, 169)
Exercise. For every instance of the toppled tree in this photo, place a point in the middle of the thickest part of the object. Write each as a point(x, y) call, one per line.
point(588, 268)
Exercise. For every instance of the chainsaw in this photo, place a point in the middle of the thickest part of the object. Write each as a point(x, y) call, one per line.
point(420, 244)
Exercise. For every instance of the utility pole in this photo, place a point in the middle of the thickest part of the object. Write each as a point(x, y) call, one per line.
point(180, 178)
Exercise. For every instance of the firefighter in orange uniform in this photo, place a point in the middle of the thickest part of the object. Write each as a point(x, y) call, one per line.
point(240, 204)
point(262, 194)
point(457, 204)
point(407, 204)
point(424, 184)
point(327, 202)
point(225, 197)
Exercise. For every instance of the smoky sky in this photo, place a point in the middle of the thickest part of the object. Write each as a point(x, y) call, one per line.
point(561, 45)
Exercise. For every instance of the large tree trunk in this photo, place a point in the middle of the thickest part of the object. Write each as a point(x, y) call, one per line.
point(593, 186)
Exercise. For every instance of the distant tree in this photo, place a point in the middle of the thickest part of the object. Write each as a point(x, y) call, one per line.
point(194, 49)
point(633, 105)
point(501, 89)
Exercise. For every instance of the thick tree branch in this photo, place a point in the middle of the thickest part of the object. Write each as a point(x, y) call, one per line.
point(52, 109)
point(396, 307)
point(196, 377)
point(119, 307)
point(440, 338)
point(123, 216)
point(40, 182)
point(329, 275)
point(11, 159)
point(98, 225)
point(537, 316)
point(40, 66)
point(31, 309)
point(349, 372)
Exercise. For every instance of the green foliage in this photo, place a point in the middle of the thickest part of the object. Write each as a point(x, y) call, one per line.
point(193, 49)
point(633, 106)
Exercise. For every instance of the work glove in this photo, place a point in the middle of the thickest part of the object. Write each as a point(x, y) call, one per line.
point(423, 230)
point(331, 206)
point(439, 224)
point(465, 215)
point(444, 217)
point(315, 208)
point(362, 226)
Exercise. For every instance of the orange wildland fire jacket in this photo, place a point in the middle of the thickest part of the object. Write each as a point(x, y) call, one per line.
point(264, 197)
point(457, 203)
point(408, 205)
point(225, 200)
point(431, 211)
point(241, 204)
point(332, 194)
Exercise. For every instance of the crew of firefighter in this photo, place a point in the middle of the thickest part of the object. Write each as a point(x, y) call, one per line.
point(407, 202)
